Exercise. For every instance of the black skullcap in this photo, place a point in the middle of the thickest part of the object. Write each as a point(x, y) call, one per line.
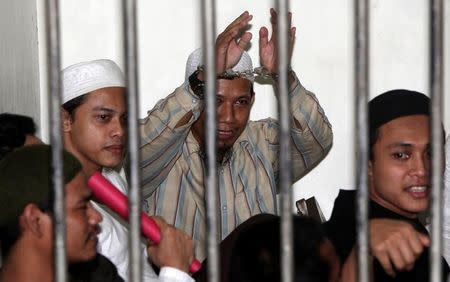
point(25, 177)
point(395, 104)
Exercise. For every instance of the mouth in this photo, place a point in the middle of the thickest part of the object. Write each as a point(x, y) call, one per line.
point(225, 134)
point(115, 149)
point(93, 237)
point(418, 192)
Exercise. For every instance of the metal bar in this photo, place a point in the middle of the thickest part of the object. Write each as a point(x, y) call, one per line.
point(287, 255)
point(362, 140)
point(131, 67)
point(208, 43)
point(436, 92)
point(53, 56)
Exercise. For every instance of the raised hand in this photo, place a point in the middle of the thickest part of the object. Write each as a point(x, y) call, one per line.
point(232, 42)
point(268, 47)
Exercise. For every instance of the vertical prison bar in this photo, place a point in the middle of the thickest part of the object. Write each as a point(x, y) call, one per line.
point(436, 91)
point(208, 45)
point(361, 132)
point(285, 122)
point(53, 56)
point(131, 70)
point(208, 36)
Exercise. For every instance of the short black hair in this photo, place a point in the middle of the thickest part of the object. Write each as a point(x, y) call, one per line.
point(256, 254)
point(391, 105)
point(13, 131)
point(71, 105)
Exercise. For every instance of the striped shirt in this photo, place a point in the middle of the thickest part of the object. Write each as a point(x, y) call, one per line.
point(173, 168)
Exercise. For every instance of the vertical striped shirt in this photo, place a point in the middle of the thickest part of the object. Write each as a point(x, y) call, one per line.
point(173, 168)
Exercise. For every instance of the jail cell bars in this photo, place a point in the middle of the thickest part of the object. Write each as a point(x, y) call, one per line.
point(436, 92)
point(208, 38)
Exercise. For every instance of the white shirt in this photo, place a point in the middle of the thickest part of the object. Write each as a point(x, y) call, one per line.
point(113, 241)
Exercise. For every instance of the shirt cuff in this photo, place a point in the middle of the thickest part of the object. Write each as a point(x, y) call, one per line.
point(172, 274)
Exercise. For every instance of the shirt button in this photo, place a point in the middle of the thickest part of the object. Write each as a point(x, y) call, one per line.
point(224, 208)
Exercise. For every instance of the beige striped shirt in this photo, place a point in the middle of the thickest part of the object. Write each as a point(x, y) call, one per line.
point(173, 168)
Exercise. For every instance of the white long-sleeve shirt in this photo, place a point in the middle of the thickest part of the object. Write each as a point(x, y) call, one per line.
point(113, 241)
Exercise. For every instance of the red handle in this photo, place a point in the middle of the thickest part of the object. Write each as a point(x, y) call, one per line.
point(109, 195)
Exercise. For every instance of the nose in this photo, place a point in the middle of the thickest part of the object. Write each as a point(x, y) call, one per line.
point(226, 113)
point(94, 216)
point(117, 128)
point(420, 166)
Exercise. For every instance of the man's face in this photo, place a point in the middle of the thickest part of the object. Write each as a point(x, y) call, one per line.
point(399, 171)
point(234, 102)
point(81, 221)
point(97, 135)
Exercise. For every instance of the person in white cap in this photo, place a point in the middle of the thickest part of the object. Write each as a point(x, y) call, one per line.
point(94, 120)
point(172, 139)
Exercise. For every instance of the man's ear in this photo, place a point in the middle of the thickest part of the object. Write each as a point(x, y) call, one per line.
point(252, 100)
point(370, 169)
point(32, 220)
point(66, 120)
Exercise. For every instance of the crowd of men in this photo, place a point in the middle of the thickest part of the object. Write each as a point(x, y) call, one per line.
point(173, 160)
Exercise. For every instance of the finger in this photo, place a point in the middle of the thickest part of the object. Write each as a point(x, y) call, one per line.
point(424, 239)
point(292, 32)
point(396, 258)
point(289, 19)
point(273, 19)
point(408, 257)
point(224, 39)
point(386, 264)
point(416, 245)
point(263, 37)
point(245, 40)
point(240, 21)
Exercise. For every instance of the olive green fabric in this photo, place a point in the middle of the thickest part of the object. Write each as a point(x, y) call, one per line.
point(25, 177)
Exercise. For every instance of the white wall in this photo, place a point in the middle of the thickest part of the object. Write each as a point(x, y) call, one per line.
point(19, 76)
point(323, 58)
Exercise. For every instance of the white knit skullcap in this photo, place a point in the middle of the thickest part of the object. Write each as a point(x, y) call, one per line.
point(85, 77)
point(196, 59)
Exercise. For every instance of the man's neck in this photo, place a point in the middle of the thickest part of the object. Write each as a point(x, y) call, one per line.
point(24, 264)
point(88, 166)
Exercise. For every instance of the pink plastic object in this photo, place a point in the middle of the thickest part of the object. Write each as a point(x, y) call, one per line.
point(109, 195)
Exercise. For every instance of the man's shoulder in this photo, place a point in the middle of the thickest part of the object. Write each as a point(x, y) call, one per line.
point(260, 129)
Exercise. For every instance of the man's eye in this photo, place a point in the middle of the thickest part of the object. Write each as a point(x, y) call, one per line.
point(103, 117)
point(400, 156)
point(242, 102)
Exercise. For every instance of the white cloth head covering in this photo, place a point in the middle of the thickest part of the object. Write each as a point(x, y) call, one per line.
point(85, 77)
point(196, 59)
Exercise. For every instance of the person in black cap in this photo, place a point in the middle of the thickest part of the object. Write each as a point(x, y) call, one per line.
point(26, 231)
point(399, 188)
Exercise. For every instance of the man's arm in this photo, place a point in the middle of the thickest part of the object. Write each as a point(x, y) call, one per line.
point(395, 244)
point(163, 132)
point(311, 132)
point(166, 127)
